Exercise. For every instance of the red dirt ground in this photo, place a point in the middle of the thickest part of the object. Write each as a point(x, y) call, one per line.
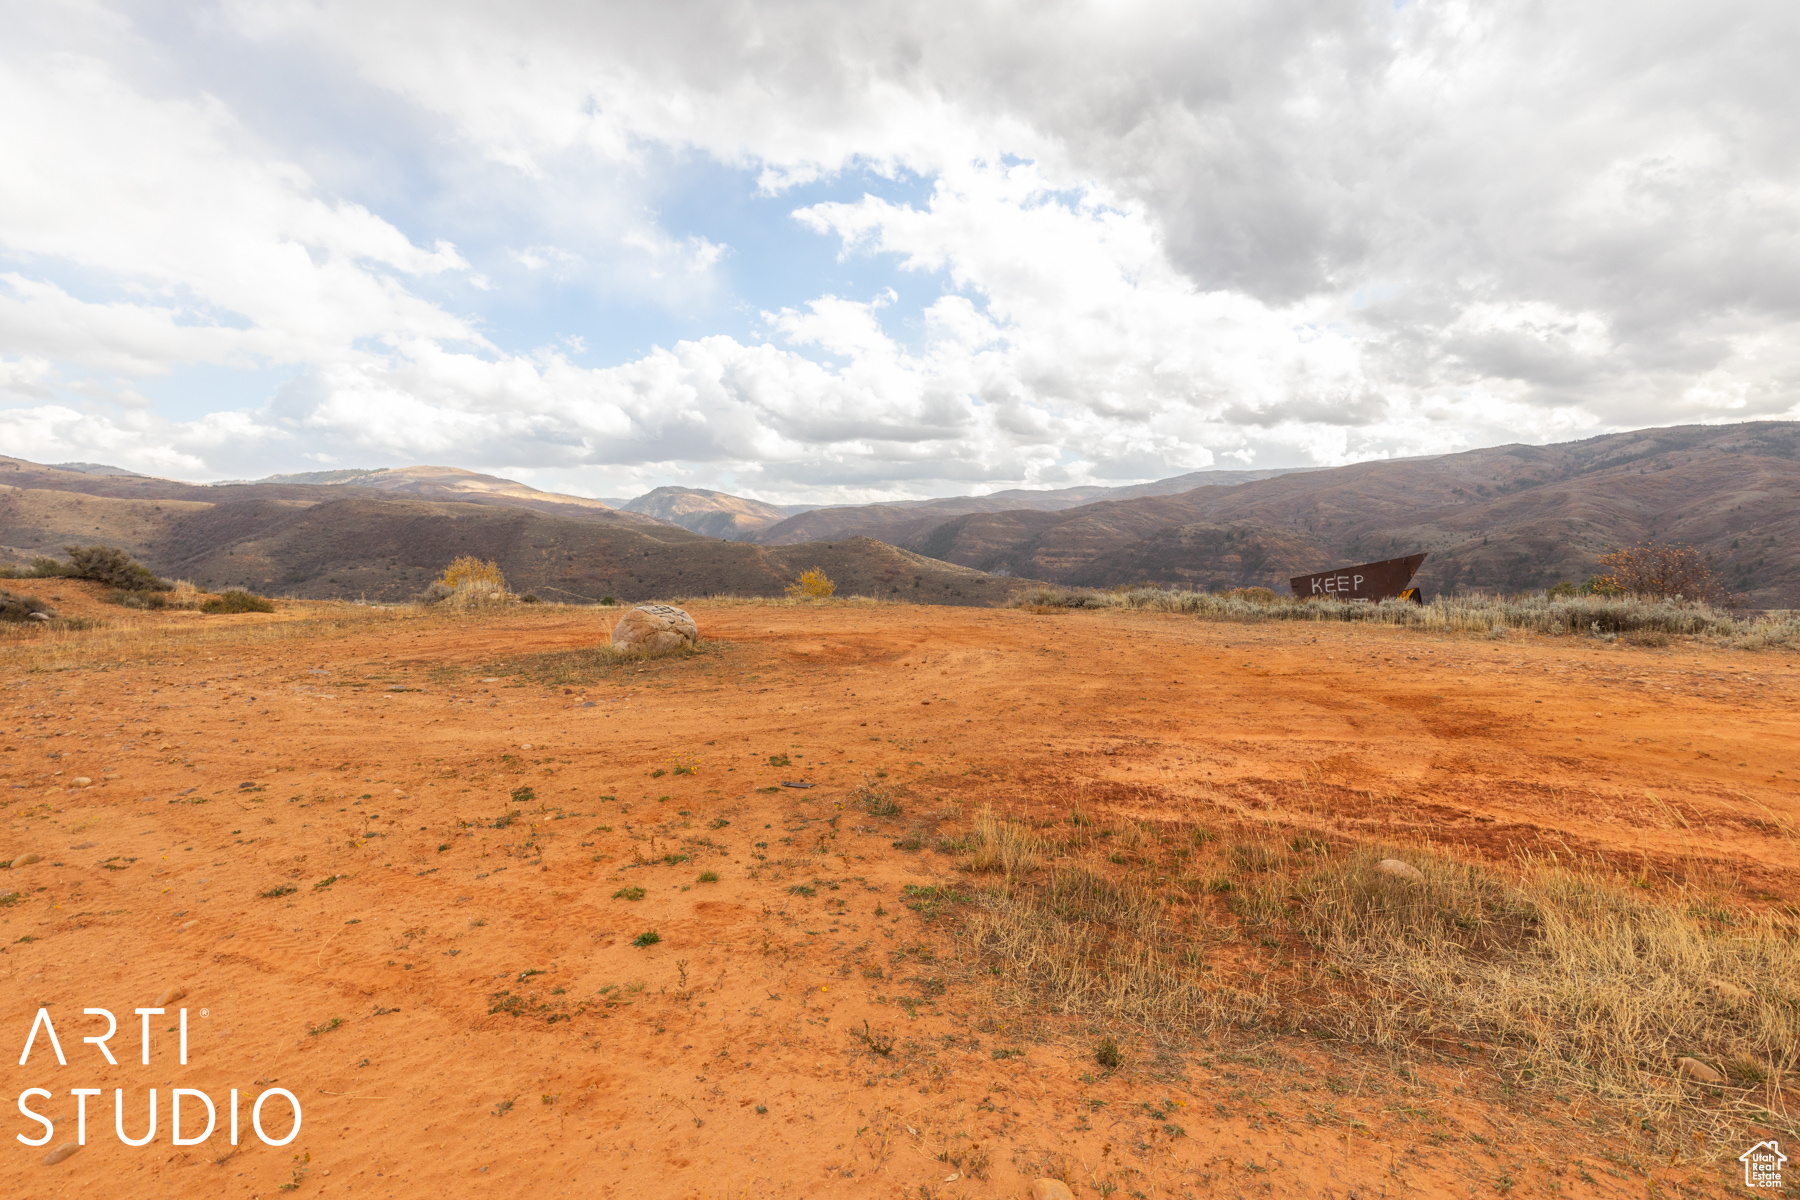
point(461, 1009)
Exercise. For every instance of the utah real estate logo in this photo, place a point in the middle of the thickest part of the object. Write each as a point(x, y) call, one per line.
point(1762, 1165)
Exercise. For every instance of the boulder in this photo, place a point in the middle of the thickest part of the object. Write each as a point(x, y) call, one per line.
point(655, 627)
point(1050, 1189)
point(1400, 870)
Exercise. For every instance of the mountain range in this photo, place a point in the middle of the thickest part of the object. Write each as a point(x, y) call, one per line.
point(1504, 518)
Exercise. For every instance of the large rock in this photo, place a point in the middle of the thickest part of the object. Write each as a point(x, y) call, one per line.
point(1050, 1189)
point(654, 627)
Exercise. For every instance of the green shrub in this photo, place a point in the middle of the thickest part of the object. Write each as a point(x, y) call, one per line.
point(109, 565)
point(237, 600)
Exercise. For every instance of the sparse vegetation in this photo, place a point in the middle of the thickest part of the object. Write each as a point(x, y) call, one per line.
point(1557, 615)
point(647, 938)
point(629, 893)
point(1567, 974)
point(875, 799)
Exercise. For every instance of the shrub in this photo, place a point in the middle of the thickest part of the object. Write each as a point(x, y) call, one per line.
point(1107, 1054)
point(14, 607)
point(1660, 569)
point(529, 598)
point(237, 600)
point(104, 564)
point(647, 938)
point(469, 569)
point(813, 584)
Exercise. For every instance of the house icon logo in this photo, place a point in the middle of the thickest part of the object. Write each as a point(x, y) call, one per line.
point(1762, 1165)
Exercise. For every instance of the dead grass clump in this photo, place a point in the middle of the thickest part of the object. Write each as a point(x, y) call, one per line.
point(874, 798)
point(1567, 974)
point(1004, 846)
point(1574, 975)
point(1083, 943)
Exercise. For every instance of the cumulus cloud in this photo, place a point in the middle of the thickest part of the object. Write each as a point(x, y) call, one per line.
point(1149, 236)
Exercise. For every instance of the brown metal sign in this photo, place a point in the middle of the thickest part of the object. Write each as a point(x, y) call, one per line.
point(1384, 580)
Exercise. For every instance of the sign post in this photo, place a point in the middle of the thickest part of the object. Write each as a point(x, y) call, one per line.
point(1376, 581)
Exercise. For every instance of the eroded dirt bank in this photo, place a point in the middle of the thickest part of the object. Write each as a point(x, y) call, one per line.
point(395, 865)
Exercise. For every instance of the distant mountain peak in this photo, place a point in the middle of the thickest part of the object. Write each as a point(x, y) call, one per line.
point(716, 514)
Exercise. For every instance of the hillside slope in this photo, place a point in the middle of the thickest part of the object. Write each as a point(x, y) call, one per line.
point(389, 548)
point(346, 540)
point(1510, 517)
point(902, 519)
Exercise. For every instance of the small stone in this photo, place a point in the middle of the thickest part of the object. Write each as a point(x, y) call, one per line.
point(38, 616)
point(175, 993)
point(1699, 1072)
point(1400, 870)
point(187, 925)
point(1050, 1189)
point(25, 860)
point(82, 781)
point(655, 628)
point(84, 846)
point(60, 1153)
point(524, 745)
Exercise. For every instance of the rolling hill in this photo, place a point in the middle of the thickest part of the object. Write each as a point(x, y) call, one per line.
point(1509, 517)
point(345, 540)
point(902, 519)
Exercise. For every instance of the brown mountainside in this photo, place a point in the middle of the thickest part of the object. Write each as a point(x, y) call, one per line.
point(338, 541)
point(389, 549)
point(1511, 517)
point(902, 519)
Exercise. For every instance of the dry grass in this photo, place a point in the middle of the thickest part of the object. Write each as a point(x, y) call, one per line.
point(1004, 846)
point(1562, 973)
point(1646, 621)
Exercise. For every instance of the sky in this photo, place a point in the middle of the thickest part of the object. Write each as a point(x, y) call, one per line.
point(814, 253)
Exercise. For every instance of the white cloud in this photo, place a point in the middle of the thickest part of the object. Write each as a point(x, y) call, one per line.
point(1155, 235)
